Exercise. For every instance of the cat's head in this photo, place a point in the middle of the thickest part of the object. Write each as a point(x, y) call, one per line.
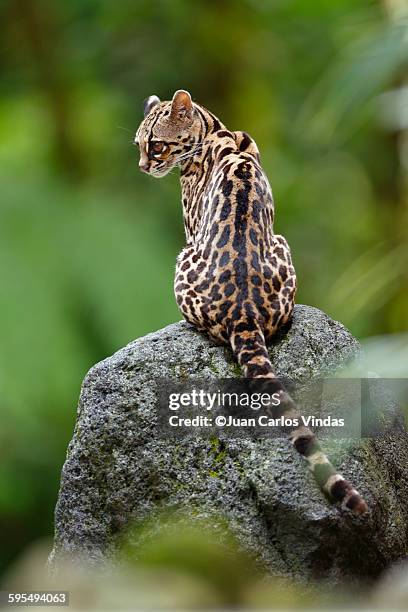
point(168, 134)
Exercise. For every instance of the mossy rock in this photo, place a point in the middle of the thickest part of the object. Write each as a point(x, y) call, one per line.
point(120, 469)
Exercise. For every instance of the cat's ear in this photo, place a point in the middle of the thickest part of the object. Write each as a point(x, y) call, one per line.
point(181, 106)
point(149, 103)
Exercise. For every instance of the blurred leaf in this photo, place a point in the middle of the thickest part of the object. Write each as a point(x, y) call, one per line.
point(339, 100)
point(369, 282)
point(201, 548)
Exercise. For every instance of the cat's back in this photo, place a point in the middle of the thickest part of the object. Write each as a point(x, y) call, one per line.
point(237, 178)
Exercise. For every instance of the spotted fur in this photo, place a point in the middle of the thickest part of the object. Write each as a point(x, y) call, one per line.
point(234, 278)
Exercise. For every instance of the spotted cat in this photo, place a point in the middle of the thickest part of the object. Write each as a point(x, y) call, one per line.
point(234, 279)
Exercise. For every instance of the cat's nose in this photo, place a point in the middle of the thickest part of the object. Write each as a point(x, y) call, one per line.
point(144, 167)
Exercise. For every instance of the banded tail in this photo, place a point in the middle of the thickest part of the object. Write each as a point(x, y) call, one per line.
point(249, 347)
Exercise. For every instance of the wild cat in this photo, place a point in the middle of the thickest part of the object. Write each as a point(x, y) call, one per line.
point(234, 279)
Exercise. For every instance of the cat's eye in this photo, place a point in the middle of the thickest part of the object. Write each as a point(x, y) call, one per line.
point(158, 147)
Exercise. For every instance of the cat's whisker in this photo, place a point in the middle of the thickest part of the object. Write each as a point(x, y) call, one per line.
point(196, 148)
point(185, 156)
point(120, 127)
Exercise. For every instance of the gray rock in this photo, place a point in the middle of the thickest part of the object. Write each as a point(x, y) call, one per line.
point(120, 467)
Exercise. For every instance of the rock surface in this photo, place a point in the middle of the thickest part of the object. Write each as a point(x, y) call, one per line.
point(120, 469)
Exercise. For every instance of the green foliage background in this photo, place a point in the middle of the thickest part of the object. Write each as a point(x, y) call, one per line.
point(88, 245)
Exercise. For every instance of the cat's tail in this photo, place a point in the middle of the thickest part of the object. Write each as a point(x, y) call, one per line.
point(249, 347)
